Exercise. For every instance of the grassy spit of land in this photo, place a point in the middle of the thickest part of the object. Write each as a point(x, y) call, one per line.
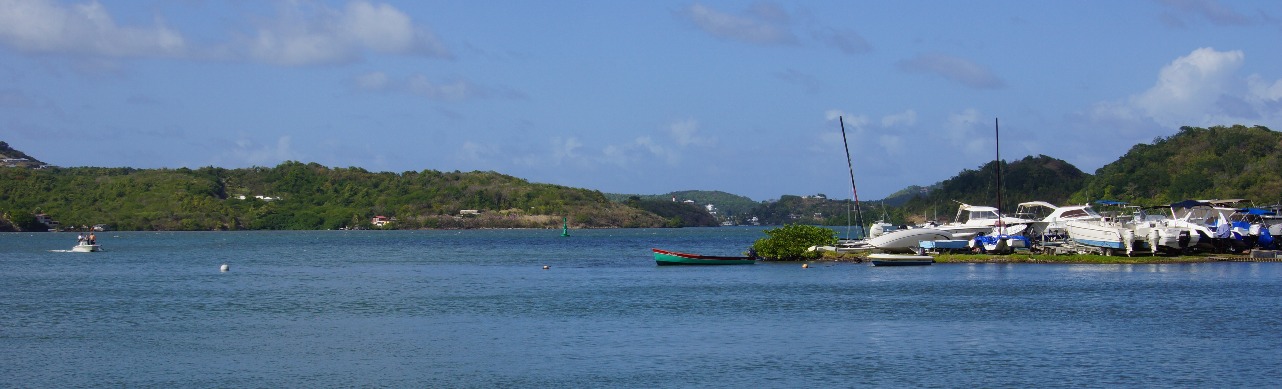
point(1060, 259)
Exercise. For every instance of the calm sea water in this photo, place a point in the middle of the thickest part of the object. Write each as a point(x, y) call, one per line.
point(477, 309)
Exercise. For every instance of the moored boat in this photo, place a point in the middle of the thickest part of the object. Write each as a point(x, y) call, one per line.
point(900, 260)
point(665, 257)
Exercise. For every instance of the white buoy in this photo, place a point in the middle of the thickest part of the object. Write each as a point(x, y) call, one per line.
point(545, 267)
point(805, 266)
point(224, 268)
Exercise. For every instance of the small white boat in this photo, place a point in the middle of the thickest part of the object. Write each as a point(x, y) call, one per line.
point(85, 247)
point(900, 260)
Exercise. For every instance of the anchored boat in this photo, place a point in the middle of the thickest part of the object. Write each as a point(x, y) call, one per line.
point(665, 257)
point(900, 260)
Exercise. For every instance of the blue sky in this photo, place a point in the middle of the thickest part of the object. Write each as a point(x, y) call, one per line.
point(641, 97)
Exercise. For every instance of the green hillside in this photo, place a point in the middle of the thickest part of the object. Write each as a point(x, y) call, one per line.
point(1196, 163)
point(1029, 179)
point(302, 196)
point(678, 214)
point(728, 206)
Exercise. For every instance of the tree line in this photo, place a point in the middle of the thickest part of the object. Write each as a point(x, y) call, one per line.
point(294, 195)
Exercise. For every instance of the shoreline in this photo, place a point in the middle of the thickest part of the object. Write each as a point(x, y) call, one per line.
point(1076, 259)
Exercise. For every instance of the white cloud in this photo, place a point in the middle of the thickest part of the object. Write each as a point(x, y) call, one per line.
point(764, 24)
point(1188, 86)
point(46, 26)
point(960, 70)
point(684, 133)
point(850, 120)
point(1199, 89)
point(306, 35)
point(906, 118)
point(656, 150)
point(565, 149)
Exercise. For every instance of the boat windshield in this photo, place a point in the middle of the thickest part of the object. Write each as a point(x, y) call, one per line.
point(1194, 214)
point(1034, 211)
point(1084, 212)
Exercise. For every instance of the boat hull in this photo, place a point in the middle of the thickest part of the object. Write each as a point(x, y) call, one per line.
point(669, 258)
point(900, 260)
point(1098, 234)
point(903, 241)
point(86, 248)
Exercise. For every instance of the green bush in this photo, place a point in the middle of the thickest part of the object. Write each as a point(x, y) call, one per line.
point(791, 242)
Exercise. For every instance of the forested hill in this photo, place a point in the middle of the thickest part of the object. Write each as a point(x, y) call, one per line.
point(294, 195)
point(727, 204)
point(1196, 163)
point(1028, 179)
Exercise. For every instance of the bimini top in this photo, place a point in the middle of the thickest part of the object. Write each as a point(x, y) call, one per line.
point(1190, 204)
point(1256, 211)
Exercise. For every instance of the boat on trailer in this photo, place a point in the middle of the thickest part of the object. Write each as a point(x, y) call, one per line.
point(665, 257)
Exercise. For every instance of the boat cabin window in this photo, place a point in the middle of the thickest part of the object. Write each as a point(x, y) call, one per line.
point(982, 215)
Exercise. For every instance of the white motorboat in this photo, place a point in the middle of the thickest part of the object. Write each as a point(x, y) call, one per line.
point(1051, 221)
point(1195, 216)
point(85, 247)
point(1108, 235)
point(971, 220)
point(904, 241)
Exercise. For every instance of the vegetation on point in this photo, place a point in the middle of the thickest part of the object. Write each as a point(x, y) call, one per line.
point(792, 242)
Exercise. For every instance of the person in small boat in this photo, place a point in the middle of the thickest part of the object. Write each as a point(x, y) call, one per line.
point(80, 239)
point(93, 239)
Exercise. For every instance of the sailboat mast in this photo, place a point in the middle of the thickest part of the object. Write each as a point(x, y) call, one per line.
point(859, 217)
point(998, 134)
